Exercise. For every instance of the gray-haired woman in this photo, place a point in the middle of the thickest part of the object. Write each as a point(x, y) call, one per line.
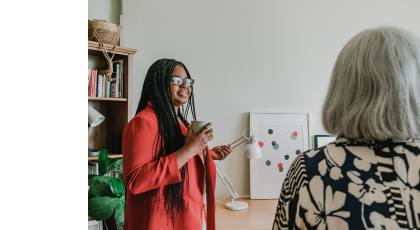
point(369, 178)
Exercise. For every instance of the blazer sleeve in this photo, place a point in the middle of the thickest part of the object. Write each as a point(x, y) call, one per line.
point(140, 169)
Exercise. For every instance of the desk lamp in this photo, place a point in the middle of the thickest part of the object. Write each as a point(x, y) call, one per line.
point(94, 119)
point(252, 151)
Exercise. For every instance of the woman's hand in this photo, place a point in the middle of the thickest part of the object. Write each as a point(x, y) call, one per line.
point(197, 142)
point(194, 144)
point(221, 152)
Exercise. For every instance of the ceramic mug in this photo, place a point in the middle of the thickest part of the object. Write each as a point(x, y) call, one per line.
point(197, 126)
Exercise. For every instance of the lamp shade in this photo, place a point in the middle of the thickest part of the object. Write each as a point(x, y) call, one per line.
point(94, 117)
point(252, 150)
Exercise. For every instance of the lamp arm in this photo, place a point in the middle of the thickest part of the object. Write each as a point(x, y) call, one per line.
point(222, 173)
point(248, 139)
point(239, 143)
point(226, 181)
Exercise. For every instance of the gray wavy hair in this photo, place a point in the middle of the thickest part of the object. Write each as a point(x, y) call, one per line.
point(374, 92)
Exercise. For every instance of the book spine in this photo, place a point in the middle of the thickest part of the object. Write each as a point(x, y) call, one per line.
point(103, 86)
point(106, 88)
point(92, 77)
point(97, 85)
point(113, 91)
point(109, 89)
point(121, 79)
point(101, 79)
point(89, 82)
point(117, 76)
point(96, 81)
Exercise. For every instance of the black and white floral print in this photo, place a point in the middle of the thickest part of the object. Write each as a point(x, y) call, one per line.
point(353, 185)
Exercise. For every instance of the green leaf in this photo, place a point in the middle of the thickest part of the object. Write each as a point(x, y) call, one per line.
point(110, 164)
point(119, 214)
point(119, 166)
point(105, 163)
point(117, 186)
point(101, 208)
point(90, 195)
point(102, 161)
point(100, 186)
point(90, 177)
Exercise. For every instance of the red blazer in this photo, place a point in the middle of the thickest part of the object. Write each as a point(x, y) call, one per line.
point(145, 201)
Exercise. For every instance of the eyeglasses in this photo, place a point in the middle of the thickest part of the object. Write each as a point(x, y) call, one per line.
point(180, 81)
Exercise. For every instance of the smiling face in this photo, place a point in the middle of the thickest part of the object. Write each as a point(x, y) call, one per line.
point(180, 93)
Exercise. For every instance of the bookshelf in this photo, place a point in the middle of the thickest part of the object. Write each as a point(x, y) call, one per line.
point(95, 158)
point(117, 111)
point(106, 99)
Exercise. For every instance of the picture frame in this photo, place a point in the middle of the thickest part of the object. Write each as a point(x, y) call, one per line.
point(322, 140)
point(282, 137)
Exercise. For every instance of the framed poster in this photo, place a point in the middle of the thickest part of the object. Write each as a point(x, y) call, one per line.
point(323, 140)
point(281, 136)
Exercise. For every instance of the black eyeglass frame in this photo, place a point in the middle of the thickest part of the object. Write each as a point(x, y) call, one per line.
point(175, 81)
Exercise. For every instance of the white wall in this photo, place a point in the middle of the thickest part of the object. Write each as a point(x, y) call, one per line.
point(248, 56)
point(108, 10)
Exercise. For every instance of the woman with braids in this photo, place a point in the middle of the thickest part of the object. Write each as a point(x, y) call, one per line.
point(168, 170)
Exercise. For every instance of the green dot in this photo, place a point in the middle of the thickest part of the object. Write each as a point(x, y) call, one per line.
point(286, 157)
point(293, 137)
point(268, 163)
point(276, 146)
point(270, 131)
point(281, 169)
point(297, 152)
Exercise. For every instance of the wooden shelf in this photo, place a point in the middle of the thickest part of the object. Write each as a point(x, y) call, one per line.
point(95, 158)
point(118, 49)
point(117, 111)
point(106, 99)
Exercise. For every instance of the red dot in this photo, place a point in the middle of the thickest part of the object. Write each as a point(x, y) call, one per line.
point(295, 134)
point(280, 165)
point(261, 144)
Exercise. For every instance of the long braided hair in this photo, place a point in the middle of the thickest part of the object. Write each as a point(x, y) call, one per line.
point(157, 89)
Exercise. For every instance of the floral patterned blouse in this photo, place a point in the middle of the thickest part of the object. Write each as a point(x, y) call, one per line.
point(353, 185)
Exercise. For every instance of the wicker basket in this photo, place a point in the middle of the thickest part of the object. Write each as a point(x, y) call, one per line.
point(108, 32)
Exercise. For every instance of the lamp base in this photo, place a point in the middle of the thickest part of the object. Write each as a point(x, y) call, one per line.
point(93, 152)
point(236, 205)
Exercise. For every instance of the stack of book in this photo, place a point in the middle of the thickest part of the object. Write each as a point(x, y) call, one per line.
point(93, 169)
point(100, 85)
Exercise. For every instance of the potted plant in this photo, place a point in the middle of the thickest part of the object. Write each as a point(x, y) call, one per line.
point(106, 196)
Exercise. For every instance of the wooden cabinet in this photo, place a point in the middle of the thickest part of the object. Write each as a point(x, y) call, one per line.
point(117, 111)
